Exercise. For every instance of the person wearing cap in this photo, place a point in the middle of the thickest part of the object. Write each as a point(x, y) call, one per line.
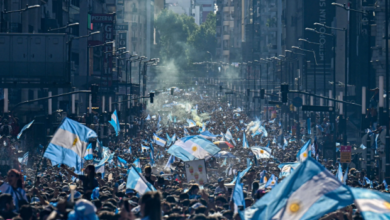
point(221, 189)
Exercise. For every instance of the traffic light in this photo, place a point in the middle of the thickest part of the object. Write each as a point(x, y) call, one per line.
point(284, 90)
point(172, 90)
point(151, 95)
point(220, 88)
point(94, 92)
point(262, 93)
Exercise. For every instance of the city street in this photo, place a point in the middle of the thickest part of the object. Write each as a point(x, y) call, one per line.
point(194, 109)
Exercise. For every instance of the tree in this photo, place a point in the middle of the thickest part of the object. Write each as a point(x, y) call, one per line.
point(181, 41)
point(203, 40)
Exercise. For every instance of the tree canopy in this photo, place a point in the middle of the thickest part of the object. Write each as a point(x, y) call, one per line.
point(181, 41)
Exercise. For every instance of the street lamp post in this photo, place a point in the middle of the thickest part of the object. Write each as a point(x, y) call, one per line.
point(344, 6)
point(15, 11)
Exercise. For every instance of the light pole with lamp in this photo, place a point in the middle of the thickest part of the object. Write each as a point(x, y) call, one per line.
point(4, 12)
point(347, 63)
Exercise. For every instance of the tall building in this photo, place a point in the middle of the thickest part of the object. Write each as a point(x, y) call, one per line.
point(225, 25)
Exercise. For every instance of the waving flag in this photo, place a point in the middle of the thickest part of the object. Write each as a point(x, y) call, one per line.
point(339, 174)
point(186, 132)
point(158, 140)
point(245, 143)
point(23, 160)
point(191, 123)
point(345, 176)
point(121, 163)
point(88, 153)
point(115, 123)
point(372, 204)
point(69, 144)
point(169, 162)
point(137, 164)
point(193, 148)
point(261, 152)
point(27, 126)
point(137, 182)
point(169, 140)
point(173, 138)
point(263, 178)
point(272, 182)
point(151, 155)
point(287, 168)
point(228, 135)
point(208, 135)
point(264, 131)
point(290, 198)
point(308, 122)
point(238, 195)
point(304, 152)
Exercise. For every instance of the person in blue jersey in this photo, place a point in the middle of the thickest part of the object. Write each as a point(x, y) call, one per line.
point(15, 187)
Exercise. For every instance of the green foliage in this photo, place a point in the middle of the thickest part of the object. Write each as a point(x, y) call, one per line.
point(181, 41)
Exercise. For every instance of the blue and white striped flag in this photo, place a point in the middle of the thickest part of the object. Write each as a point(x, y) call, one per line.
point(115, 123)
point(121, 163)
point(69, 144)
point(261, 152)
point(290, 198)
point(27, 126)
point(23, 160)
point(272, 182)
point(170, 162)
point(159, 140)
point(304, 152)
point(137, 164)
point(137, 182)
point(88, 153)
point(372, 204)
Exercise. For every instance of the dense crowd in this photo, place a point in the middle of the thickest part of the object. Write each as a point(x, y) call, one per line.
point(43, 191)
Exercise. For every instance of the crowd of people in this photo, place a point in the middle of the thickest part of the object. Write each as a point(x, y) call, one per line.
point(42, 191)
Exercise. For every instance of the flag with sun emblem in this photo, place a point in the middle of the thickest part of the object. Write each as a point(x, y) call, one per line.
point(304, 152)
point(69, 144)
point(158, 140)
point(310, 192)
point(272, 182)
point(261, 152)
point(193, 148)
point(372, 204)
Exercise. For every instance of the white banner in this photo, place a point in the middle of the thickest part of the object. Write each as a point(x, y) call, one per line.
point(196, 170)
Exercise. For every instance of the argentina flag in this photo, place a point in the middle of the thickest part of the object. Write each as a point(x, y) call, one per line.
point(23, 160)
point(158, 140)
point(310, 192)
point(304, 152)
point(115, 122)
point(27, 126)
point(121, 162)
point(88, 153)
point(372, 204)
point(261, 152)
point(193, 148)
point(69, 144)
point(137, 182)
